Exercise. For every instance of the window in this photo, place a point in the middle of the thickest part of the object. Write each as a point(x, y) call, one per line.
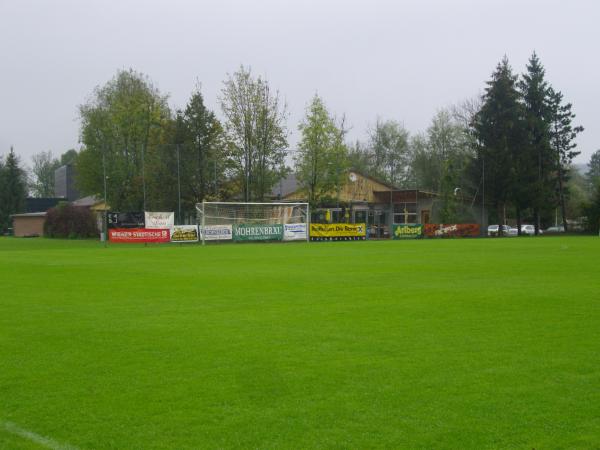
point(405, 213)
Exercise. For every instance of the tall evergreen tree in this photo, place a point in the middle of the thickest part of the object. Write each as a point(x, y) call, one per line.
point(538, 163)
point(562, 141)
point(203, 146)
point(498, 128)
point(13, 189)
point(593, 173)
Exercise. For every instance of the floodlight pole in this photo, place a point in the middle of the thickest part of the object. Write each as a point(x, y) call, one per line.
point(144, 173)
point(105, 219)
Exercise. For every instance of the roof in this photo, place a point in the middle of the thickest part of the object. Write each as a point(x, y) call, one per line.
point(34, 214)
point(376, 180)
point(290, 183)
point(88, 201)
point(40, 204)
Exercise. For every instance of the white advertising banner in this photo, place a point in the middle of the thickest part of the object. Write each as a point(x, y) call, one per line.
point(159, 219)
point(184, 233)
point(217, 232)
point(294, 232)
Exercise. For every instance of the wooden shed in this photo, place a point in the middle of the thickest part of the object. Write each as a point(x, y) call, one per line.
point(29, 224)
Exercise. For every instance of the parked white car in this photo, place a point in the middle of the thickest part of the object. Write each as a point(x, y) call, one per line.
point(529, 230)
point(493, 230)
point(558, 229)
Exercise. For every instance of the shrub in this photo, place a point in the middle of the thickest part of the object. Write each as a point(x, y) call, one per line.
point(68, 221)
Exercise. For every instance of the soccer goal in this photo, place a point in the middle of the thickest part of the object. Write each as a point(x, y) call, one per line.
point(239, 222)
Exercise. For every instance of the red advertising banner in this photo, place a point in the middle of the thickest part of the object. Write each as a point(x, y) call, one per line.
point(452, 230)
point(139, 235)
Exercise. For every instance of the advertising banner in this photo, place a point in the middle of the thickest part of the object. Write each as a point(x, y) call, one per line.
point(294, 232)
point(403, 231)
point(184, 233)
point(338, 231)
point(125, 219)
point(159, 219)
point(452, 230)
point(217, 232)
point(252, 232)
point(138, 235)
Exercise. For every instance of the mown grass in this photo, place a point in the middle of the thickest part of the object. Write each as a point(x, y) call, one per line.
point(486, 343)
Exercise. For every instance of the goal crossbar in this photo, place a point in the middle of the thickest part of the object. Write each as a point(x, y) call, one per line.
point(238, 220)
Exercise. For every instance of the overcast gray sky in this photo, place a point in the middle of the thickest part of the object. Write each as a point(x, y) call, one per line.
point(399, 60)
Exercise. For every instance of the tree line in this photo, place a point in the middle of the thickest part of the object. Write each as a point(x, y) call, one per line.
point(511, 147)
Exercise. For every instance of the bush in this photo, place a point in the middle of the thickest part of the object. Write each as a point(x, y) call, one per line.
point(68, 221)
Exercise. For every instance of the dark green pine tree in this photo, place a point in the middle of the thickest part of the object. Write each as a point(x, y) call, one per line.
point(202, 132)
point(538, 161)
point(13, 189)
point(498, 129)
point(562, 142)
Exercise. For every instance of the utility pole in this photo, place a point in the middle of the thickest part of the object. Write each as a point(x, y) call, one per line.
point(178, 188)
point(483, 192)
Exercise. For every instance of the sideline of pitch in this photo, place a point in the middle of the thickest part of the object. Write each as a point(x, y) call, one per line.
point(34, 437)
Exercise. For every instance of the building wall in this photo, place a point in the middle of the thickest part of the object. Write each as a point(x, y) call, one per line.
point(28, 226)
point(357, 188)
point(360, 190)
point(64, 183)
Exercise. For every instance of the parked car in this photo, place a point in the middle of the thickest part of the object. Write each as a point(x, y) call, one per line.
point(558, 229)
point(514, 231)
point(529, 230)
point(493, 230)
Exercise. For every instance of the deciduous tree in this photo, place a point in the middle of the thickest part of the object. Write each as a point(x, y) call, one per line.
point(122, 126)
point(389, 147)
point(255, 126)
point(322, 155)
point(43, 167)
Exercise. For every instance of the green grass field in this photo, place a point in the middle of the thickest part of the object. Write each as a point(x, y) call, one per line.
point(486, 343)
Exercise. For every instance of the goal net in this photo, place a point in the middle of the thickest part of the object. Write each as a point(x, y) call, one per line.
point(232, 221)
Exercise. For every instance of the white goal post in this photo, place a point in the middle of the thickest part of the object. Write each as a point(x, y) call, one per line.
point(253, 221)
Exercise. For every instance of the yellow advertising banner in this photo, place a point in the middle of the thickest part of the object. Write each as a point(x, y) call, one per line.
point(338, 231)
